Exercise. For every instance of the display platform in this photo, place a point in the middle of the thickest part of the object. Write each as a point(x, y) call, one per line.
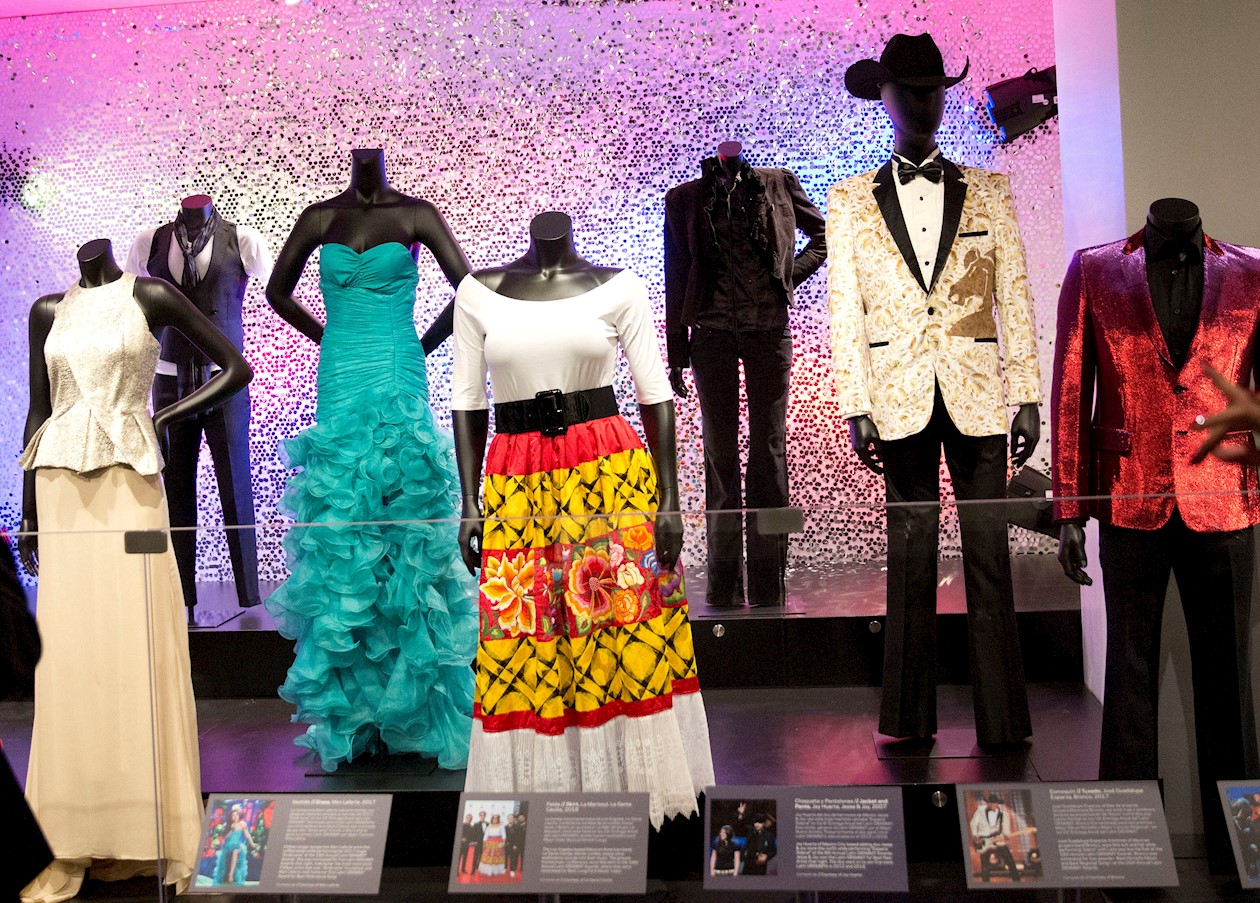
point(759, 736)
point(829, 634)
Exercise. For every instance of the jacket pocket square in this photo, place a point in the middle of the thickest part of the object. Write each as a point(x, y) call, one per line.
point(973, 234)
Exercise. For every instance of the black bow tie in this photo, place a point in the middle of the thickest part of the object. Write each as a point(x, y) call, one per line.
point(932, 170)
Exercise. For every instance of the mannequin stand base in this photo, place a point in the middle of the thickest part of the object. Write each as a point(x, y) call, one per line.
point(212, 617)
point(380, 763)
point(949, 743)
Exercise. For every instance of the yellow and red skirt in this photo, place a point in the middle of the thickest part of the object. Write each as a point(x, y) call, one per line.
point(586, 676)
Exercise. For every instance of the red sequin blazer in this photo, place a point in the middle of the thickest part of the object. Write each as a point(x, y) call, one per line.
point(1132, 444)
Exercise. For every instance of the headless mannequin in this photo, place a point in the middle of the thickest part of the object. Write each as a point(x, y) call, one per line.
point(1178, 219)
point(163, 306)
point(225, 430)
point(551, 270)
point(916, 115)
point(368, 213)
point(730, 155)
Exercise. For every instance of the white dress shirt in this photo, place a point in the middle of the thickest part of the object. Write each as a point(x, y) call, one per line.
point(255, 257)
point(923, 208)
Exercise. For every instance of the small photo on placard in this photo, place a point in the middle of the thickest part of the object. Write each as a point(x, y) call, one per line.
point(1003, 835)
point(492, 842)
point(1241, 800)
point(235, 842)
point(744, 840)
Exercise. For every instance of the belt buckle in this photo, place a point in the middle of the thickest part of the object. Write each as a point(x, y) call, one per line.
point(550, 405)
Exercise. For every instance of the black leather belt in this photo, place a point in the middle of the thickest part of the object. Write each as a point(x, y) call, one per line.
point(552, 412)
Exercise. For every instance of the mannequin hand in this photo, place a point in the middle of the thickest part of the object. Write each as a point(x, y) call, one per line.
point(864, 437)
point(471, 529)
point(28, 547)
point(1025, 434)
point(1242, 413)
point(1072, 554)
point(669, 538)
point(676, 382)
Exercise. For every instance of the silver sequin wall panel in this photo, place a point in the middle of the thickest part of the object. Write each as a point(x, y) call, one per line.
point(496, 111)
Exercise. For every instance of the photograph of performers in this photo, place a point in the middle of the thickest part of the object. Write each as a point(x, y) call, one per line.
point(235, 843)
point(761, 847)
point(1003, 836)
point(1244, 811)
point(491, 842)
point(732, 826)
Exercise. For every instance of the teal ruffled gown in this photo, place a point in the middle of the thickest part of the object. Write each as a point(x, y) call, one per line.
point(384, 613)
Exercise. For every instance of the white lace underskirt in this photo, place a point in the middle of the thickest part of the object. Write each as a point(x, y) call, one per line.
point(665, 754)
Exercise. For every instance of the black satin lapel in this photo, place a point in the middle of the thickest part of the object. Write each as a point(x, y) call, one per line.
point(955, 196)
point(886, 196)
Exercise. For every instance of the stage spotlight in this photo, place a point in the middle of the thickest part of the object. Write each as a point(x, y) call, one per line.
point(1020, 104)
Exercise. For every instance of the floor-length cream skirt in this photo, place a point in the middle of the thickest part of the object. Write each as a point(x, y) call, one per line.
point(114, 777)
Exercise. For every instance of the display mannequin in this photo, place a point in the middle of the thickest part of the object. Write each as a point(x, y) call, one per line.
point(579, 545)
point(1138, 320)
point(213, 273)
point(730, 274)
point(925, 263)
point(383, 612)
point(115, 727)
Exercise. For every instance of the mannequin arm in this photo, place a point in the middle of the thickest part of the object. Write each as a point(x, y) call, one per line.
point(433, 232)
point(1072, 553)
point(864, 437)
point(298, 247)
point(676, 382)
point(471, 429)
point(1025, 433)
point(37, 413)
point(163, 306)
point(658, 424)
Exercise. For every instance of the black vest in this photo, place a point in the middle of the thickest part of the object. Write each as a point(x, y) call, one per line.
point(218, 295)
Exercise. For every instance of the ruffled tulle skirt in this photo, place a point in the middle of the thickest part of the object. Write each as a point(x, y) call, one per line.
point(379, 601)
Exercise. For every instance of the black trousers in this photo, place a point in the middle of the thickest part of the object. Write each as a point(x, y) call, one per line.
point(1214, 572)
point(227, 434)
point(977, 465)
point(767, 357)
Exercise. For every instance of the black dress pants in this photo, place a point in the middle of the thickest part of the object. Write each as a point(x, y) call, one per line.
point(977, 465)
point(226, 428)
point(767, 358)
point(1214, 572)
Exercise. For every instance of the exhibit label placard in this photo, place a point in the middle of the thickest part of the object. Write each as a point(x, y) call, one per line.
point(1241, 801)
point(804, 838)
point(290, 843)
point(1086, 834)
point(545, 843)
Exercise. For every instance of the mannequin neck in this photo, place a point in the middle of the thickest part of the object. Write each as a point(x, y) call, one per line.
point(97, 266)
point(915, 148)
point(367, 174)
point(1176, 219)
point(195, 212)
point(553, 255)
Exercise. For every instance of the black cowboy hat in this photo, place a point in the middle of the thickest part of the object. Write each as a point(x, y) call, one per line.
point(912, 60)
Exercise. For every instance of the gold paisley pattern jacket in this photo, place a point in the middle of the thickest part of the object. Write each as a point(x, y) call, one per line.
point(892, 335)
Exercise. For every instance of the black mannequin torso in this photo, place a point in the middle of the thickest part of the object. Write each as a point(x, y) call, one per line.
point(163, 306)
point(549, 271)
point(369, 213)
point(916, 115)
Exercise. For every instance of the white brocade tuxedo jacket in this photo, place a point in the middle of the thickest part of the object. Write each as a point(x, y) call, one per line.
point(892, 335)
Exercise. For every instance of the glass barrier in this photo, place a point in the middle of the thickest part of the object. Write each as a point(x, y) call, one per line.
point(361, 657)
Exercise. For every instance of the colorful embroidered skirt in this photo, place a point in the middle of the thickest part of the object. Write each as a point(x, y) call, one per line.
point(586, 678)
